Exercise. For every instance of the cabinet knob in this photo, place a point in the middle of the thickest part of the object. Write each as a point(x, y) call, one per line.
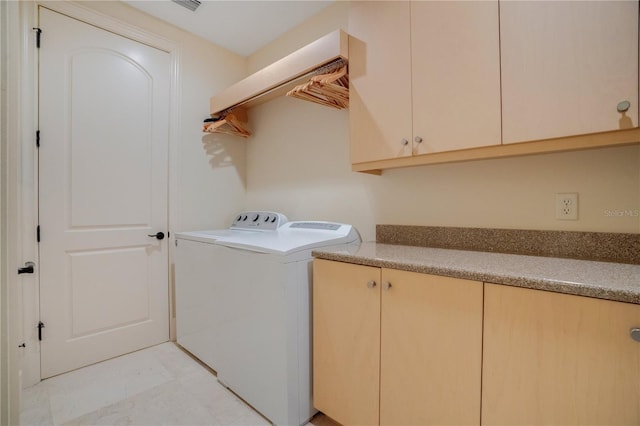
point(635, 334)
point(418, 139)
point(386, 285)
point(404, 142)
point(624, 106)
point(371, 284)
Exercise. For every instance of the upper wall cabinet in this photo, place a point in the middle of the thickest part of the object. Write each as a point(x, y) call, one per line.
point(567, 67)
point(380, 80)
point(443, 81)
point(455, 63)
point(425, 78)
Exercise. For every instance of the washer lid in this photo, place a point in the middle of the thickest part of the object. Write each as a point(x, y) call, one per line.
point(211, 236)
point(215, 235)
point(293, 237)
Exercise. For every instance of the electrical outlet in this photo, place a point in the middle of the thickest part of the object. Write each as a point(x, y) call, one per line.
point(567, 206)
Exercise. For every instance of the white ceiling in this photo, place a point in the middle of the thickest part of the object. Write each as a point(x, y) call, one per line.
point(240, 26)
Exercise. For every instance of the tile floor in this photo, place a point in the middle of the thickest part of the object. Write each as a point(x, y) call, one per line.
point(161, 385)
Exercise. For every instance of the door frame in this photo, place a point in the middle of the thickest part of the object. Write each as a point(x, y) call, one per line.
point(27, 208)
point(10, 294)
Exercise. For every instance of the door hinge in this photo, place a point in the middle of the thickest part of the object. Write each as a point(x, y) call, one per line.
point(38, 233)
point(40, 327)
point(38, 138)
point(38, 32)
point(27, 268)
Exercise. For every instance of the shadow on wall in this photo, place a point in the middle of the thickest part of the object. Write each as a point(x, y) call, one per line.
point(219, 149)
point(625, 122)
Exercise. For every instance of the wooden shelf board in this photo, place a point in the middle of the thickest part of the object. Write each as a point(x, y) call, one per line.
point(283, 75)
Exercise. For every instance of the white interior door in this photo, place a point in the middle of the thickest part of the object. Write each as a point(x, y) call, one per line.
point(104, 109)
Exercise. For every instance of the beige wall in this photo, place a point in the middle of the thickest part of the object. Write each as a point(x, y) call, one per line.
point(328, 19)
point(298, 162)
point(211, 169)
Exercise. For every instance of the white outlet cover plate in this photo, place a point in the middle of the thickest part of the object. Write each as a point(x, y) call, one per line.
point(567, 206)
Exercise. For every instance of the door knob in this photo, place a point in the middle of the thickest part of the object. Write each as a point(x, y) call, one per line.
point(635, 334)
point(371, 284)
point(623, 106)
point(158, 235)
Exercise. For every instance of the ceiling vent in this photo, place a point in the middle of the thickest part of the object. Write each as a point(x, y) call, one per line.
point(192, 5)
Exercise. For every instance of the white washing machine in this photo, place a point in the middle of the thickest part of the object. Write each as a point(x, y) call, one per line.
point(248, 295)
point(198, 307)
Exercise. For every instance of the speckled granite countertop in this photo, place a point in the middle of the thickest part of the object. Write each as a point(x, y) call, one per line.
point(603, 280)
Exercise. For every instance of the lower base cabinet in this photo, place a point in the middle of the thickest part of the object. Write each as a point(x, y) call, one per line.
point(557, 359)
point(346, 342)
point(400, 348)
point(395, 347)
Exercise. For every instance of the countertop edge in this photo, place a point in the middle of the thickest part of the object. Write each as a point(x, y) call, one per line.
point(556, 286)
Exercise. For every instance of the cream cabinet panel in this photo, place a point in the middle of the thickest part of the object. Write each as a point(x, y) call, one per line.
point(553, 358)
point(431, 352)
point(565, 67)
point(395, 347)
point(380, 80)
point(455, 54)
point(346, 341)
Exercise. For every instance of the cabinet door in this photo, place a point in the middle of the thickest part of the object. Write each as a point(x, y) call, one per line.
point(431, 352)
point(380, 80)
point(346, 341)
point(565, 67)
point(455, 56)
point(553, 358)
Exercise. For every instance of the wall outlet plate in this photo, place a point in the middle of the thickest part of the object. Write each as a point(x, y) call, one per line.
point(567, 206)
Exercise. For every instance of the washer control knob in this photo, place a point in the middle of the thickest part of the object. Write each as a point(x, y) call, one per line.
point(266, 218)
point(255, 217)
